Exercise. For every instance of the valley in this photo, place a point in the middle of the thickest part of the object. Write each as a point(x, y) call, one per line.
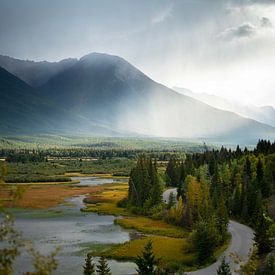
point(137, 137)
point(76, 200)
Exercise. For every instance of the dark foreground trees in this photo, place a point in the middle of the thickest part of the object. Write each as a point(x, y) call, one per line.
point(224, 268)
point(89, 267)
point(205, 240)
point(147, 262)
point(144, 185)
point(102, 267)
point(262, 237)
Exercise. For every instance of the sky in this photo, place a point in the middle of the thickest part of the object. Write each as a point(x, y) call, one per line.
point(221, 47)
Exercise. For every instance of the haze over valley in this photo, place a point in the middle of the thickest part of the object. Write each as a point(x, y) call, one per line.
point(102, 94)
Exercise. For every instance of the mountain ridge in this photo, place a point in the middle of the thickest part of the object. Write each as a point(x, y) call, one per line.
point(34, 73)
point(106, 91)
point(263, 114)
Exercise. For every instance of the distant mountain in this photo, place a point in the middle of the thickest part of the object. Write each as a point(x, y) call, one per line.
point(23, 111)
point(265, 114)
point(34, 73)
point(104, 95)
point(112, 92)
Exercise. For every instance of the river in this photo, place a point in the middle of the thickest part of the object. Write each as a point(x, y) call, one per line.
point(74, 231)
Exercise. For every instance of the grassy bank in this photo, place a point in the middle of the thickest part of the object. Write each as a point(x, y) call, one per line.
point(150, 226)
point(105, 201)
point(173, 252)
point(170, 243)
point(43, 196)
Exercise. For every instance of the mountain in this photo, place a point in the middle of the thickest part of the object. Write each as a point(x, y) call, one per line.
point(34, 73)
point(265, 114)
point(102, 94)
point(114, 93)
point(23, 111)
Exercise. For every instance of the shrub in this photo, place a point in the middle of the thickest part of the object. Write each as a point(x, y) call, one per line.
point(122, 203)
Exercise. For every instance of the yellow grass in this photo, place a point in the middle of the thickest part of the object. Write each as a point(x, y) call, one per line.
point(170, 250)
point(105, 201)
point(43, 183)
point(44, 196)
point(150, 226)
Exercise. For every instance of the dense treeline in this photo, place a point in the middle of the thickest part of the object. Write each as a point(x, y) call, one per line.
point(144, 186)
point(194, 210)
point(241, 180)
point(212, 186)
point(25, 155)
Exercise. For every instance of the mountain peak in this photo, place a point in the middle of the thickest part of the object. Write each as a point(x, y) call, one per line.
point(35, 73)
point(101, 56)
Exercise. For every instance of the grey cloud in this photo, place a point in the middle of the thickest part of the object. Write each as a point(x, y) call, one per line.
point(255, 2)
point(266, 23)
point(244, 30)
point(262, 1)
point(162, 15)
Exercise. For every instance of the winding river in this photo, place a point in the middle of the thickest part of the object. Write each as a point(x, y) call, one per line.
point(74, 231)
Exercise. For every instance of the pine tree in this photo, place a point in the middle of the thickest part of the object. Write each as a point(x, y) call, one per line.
point(224, 268)
point(261, 232)
point(144, 184)
point(89, 267)
point(262, 183)
point(237, 204)
point(270, 265)
point(147, 262)
point(222, 219)
point(155, 192)
point(102, 267)
point(205, 239)
point(173, 172)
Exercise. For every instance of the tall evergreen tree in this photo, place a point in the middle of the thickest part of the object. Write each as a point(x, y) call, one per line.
point(222, 219)
point(264, 185)
point(147, 262)
point(261, 235)
point(269, 266)
point(89, 267)
point(205, 239)
point(236, 202)
point(173, 172)
point(144, 184)
point(102, 267)
point(155, 192)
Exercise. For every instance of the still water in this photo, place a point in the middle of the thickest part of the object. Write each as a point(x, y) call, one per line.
point(74, 231)
point(92, 181)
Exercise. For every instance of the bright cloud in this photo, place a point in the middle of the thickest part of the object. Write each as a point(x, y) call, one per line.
point(225, 47)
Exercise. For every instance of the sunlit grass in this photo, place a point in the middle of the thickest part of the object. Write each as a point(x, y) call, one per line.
point(105, 201)
point(171, 251)
point(150, 226)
